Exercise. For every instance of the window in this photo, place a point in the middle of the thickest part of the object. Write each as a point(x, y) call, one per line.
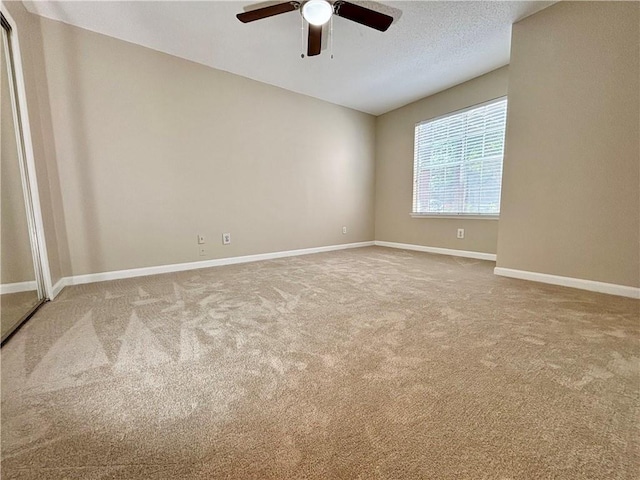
point(457, 166)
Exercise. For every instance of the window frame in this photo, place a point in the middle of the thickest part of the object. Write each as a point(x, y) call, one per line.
point(453, 215)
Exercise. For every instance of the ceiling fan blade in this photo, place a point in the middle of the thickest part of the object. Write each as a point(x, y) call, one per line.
point(314, 41)
point(362, 15)
point(260, 13)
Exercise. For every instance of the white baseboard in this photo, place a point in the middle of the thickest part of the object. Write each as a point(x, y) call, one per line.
point(180, 267)
point(18, 287)
point(58, 286)
point(591, 285)
point(438, 250)
point(601, 287)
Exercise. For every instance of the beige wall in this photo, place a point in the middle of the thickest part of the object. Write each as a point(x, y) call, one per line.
point(152, 150)
point(27, 29)
point(394, 171)
point(16, 262)
point(571, 182)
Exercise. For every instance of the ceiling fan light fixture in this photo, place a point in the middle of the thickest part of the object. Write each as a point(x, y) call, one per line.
point(317, 12)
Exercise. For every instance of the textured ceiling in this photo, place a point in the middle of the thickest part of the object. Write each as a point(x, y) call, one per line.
point(429, 47)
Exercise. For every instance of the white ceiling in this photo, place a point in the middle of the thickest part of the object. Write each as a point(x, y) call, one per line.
point(430, 46)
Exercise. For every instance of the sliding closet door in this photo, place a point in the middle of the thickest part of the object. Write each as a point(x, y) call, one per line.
point(20, 288)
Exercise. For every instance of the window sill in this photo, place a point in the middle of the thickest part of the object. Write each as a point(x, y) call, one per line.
point(457, 217)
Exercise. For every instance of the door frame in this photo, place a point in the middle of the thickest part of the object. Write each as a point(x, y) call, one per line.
point(27, 163)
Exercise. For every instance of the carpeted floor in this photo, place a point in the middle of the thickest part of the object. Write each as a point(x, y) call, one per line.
point(369, 363)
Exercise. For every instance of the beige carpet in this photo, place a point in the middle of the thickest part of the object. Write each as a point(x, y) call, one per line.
point(363, 364)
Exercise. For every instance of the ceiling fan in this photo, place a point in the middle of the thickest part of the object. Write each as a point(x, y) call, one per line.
point(319, 12)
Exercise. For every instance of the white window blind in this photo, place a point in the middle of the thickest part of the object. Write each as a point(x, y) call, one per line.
point(458, 162)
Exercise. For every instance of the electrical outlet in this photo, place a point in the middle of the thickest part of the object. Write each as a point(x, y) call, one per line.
point(202, 251)
point(200, 239)
point(461, 233)
point(226, 238)
point(344, 230)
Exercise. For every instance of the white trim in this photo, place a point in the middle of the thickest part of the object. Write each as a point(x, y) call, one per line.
point(180, 267)
point(58, 286)
point(591, 285)
point(30, 157)
point(464, 216)
point(18, 287)
point(438, 250)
